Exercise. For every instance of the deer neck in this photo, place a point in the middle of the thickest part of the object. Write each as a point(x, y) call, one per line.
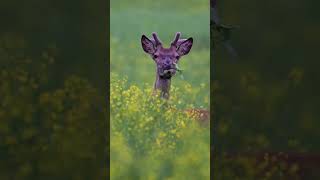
point(163, 85)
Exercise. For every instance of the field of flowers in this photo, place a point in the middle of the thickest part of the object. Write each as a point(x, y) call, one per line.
point(151, 138)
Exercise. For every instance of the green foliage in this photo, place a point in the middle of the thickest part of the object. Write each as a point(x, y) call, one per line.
point(154, 139)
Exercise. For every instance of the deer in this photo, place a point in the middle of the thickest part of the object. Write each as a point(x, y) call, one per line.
point(166, 60)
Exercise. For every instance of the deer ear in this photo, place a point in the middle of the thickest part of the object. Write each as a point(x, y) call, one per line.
point(147, 45)
point(185, 47)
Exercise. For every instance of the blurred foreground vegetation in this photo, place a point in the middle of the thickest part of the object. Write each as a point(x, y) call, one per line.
point(152, 138)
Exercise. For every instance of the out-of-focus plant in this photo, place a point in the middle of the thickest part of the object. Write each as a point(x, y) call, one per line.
point(156, 138)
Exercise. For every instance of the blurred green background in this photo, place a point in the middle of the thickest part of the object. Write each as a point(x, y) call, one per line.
point(130, 20)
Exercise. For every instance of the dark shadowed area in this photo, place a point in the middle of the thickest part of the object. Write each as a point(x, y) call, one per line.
point(53, 73)
point(266, 101)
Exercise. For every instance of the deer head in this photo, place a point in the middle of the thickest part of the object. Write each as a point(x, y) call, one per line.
point(166, 59)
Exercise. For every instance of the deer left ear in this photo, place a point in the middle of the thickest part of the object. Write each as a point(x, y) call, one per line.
point(147, 45)
point(185, 47)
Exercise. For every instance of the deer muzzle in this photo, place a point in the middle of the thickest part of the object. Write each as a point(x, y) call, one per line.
point(167, 73)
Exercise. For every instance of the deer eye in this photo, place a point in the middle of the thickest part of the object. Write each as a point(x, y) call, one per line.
point(155, 56)
point(177, 57)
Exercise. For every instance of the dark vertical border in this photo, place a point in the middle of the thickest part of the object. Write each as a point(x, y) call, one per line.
point(108, 87)
point(212, 102)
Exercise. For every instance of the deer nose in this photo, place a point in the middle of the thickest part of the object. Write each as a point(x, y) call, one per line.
point(167, 63)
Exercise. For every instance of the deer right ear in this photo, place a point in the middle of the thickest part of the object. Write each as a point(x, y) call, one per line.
point(147, 45)
point(185, 47)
